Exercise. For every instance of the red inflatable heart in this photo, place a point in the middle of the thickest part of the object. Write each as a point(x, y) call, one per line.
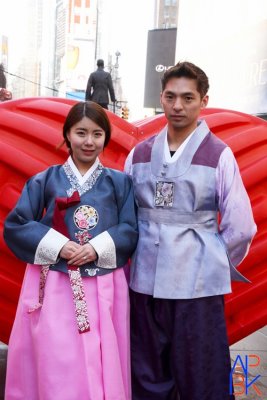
point(30, 131)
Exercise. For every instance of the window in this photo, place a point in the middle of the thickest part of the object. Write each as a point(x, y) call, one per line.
point(170, 2)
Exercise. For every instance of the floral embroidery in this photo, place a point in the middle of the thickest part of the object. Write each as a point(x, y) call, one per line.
point(83, 237)
point(43, 276)
point(88, 184)
point(164, 194)
point(79, 300)
point(85, 217)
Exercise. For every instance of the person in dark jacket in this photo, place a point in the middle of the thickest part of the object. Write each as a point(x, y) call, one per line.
point(2, 77)
point(4, 93)
point(101, 83)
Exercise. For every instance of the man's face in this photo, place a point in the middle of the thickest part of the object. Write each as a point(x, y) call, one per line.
point(182, 103)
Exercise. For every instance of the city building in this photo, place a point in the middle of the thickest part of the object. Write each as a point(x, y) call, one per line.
point(166, 14)
point(161, 47)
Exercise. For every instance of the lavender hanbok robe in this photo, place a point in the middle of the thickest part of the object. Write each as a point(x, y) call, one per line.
point(182, 251)
point(195, 227)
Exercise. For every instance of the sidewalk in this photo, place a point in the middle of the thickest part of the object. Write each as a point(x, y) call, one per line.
point(3, 354)
point(251, 346)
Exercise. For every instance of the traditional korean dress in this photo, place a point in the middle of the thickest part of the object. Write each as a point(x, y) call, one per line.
point(70, 339)
point(184, 263)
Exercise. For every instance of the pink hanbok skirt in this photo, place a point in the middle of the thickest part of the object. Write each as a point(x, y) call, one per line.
point(48, 359)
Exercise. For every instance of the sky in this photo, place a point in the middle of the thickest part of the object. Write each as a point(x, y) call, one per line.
point(221, 37)
point(230, 46)
point(12, 24)
point(126, 30)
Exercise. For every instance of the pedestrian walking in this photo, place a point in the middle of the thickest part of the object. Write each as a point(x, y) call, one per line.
point(100, 86)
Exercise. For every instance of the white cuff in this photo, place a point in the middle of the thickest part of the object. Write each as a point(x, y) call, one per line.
point(49, 247)
point(105, 248)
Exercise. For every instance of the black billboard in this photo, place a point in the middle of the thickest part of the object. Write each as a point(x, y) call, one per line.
point(161, 44)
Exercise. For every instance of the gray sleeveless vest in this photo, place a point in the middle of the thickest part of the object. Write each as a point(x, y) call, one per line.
point(180, 254)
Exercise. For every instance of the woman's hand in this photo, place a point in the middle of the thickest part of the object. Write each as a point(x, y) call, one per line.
point(69, 249)
point(83, 255)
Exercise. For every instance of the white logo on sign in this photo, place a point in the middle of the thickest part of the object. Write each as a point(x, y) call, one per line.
point(162, 68)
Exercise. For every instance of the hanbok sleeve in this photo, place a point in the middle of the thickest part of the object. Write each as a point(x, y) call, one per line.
point(119, 241)
point(237, 227)
point(28, 238)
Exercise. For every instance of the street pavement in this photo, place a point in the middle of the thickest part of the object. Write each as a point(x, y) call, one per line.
point(252, 349)
point(3, 355)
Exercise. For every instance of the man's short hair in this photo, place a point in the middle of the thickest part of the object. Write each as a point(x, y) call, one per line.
point(187, 70)
point(100, 63)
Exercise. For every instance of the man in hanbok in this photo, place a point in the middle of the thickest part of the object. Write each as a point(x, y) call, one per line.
point(184, 178)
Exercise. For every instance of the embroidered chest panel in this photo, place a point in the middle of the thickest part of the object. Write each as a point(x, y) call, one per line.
point(75, 185)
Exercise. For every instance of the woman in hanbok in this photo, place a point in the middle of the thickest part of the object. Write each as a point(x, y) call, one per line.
point(75, 227)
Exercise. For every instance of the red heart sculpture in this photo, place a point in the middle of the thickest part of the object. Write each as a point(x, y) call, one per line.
point(31, 130)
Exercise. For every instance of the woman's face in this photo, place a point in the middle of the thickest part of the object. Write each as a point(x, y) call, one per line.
point(87, 142)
